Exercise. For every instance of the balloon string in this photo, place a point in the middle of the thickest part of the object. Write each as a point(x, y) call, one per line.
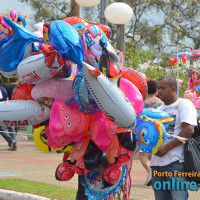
point(182, 139)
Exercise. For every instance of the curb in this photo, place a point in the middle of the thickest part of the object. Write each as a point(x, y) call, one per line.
point(11, 195)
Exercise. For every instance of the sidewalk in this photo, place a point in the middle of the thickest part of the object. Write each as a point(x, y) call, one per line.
point(29, 163)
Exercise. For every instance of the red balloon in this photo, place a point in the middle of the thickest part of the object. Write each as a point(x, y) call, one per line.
point(173, 61)
point(65, 171)
point(79, 20)
point(184, 57)
point(23, 92)
point(137, 79)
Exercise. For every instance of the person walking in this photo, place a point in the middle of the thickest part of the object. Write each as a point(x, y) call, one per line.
point(170, 157)
point(3, 132)
point(151, 101)
point(10, 87)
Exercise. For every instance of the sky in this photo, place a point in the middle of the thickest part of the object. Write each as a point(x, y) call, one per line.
point(7, 5)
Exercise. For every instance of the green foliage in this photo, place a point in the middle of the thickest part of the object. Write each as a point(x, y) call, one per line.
point(142, 61)
point(135, 58)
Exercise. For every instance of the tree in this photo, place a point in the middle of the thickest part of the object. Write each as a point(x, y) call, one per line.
point(158, 25)
point(181, 23)
point(49, 10)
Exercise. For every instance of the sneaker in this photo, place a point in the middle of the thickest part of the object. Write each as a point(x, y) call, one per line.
point(12, 146)
point(149, 179)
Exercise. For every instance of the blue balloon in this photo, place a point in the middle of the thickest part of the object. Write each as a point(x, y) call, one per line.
point(66, 41)
point(157, 114)
point(83, 97)
point(12, 50)
point(101, 193)
point(150, 134)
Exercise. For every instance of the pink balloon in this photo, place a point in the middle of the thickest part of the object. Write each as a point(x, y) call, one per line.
point(133, 94)
point(196, 101)
point(102, 130)
point(67, 123)
point(58, 142)
point(58, 88)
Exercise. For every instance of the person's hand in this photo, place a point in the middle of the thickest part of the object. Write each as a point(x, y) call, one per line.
point(162, 151)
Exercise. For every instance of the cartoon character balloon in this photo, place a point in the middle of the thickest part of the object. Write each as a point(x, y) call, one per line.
point(150, 134)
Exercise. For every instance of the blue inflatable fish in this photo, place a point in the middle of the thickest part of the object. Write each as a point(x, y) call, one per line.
point(12, 50)
point(66, 41)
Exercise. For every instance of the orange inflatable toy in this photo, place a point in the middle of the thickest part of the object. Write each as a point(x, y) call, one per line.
point(23, 92)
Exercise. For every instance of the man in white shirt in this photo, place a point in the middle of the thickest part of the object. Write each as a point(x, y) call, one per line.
point(170, 157)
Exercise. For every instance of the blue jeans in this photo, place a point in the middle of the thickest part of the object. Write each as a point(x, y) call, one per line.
point(169, 194)
point(13, 133)
point(6, 136)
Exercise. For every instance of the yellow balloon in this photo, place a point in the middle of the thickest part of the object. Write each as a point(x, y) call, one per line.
point(41, 142)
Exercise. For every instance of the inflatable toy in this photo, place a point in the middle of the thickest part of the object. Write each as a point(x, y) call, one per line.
point(160, 115)
point(22, 92)
point(40, 141)
point(112, 150)
point(83, 96)
point(17, 17)
point(19, 41)
point(127, 146)
point(110, 99)
point(109, 65)
point(66, 41)
point(90, 160)
point(39, 32)
point(193, 82)
point(24, 113)
point(64, 171)
point(150, 134)
point(95, 41)
point(67, 124)
point(34, 69)
point(102, 130)
point(137, 79)
point(93, 114)
point(192, 96)
point(179, 82)
point(10, 74)
point(96, 187)
point(79, 149)
point(81, 24)
point(133, 94)
point(193, 55)
point(57, 88)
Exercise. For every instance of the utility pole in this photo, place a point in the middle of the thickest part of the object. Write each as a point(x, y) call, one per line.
point(103, 5)
point(121, 35)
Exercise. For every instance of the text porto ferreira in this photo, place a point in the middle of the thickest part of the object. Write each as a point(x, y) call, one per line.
point(174, 181)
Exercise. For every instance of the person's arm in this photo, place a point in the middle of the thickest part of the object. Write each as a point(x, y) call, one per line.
point(186, 132)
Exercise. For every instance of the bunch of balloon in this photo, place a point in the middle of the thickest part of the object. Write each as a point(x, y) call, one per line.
point(80, 100)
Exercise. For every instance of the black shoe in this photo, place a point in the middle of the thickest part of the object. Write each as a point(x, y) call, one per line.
point(13, 146)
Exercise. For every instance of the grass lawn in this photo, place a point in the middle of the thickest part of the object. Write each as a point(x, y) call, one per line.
point(41, 189)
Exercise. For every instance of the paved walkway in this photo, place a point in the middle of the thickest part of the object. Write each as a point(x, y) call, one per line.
point(29, 163)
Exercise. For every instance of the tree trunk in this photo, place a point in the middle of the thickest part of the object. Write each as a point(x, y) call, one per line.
point(75, 8)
